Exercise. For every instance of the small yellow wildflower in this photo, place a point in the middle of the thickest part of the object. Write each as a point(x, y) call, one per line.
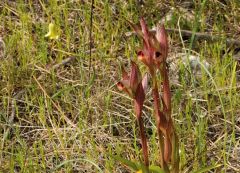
point(52, 31)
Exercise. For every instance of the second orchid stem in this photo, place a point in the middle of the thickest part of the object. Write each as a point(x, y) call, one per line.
point(160, 120)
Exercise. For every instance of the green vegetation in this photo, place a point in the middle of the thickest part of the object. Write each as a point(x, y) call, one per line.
point(60, 115)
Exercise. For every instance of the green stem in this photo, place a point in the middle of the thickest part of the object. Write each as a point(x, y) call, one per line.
point(175, 153)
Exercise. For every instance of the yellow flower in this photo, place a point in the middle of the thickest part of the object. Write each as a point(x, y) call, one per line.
point(52, 31)
point(140, 171)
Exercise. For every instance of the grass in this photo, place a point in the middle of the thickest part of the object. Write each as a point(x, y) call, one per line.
point(66, 121)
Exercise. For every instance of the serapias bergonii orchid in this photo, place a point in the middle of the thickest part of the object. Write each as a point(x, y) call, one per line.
point(135, 86)
point(154, 55)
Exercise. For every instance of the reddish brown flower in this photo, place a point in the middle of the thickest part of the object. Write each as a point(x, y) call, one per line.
point(161, 36)
point(155, 46)
point(133, 83)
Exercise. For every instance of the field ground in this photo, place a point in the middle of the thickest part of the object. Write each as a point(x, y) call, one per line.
point(59, 114)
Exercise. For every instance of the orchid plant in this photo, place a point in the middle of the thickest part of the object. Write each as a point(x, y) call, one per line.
point(153, 54)
point(135, 86)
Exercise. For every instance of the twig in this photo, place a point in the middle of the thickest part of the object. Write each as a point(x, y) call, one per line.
point(198, 36)
point(2, 48)
point(90, 38)
point(65, 61)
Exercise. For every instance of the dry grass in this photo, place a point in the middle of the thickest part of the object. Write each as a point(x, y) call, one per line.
point(66, 121)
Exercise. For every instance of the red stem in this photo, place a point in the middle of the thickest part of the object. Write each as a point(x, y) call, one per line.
point(138, 109)
point(143, 141)
point(161, 123)
point(166, 90)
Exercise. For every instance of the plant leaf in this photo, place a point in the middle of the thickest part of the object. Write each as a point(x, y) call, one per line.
point(135, 77)
point(143, 168)
point(128, 163)
point(155, 169)
point(145, 81)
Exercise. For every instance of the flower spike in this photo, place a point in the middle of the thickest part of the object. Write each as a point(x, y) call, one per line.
point(134, 86)
point(153, 54)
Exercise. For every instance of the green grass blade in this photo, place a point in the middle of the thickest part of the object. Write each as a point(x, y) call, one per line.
point(74, 160)
point(207, 168)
